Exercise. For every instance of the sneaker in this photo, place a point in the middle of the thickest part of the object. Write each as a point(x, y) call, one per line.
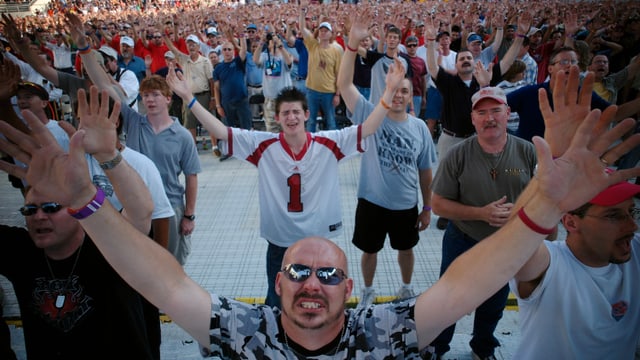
point(442, 223)
point(405, 293)
point(224, 157)
point(367, 298)
point(216, 151)
point(475, 356)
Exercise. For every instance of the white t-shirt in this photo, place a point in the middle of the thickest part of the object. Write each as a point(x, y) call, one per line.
point(149, 174)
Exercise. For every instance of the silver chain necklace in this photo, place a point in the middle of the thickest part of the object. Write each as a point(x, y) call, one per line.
point(61, 297)
point(335, 352)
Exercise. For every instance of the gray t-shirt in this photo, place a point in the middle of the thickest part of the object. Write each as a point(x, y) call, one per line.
point(275, 75)
point(172, 150)
point(395, 154)
point(472, 177)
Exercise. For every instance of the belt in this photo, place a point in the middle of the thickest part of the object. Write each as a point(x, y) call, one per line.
point(451, 133)
point(202, 92)
point(300, 78)
point(254, 86)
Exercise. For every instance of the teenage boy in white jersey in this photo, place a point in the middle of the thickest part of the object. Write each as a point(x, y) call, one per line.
point(298, 187)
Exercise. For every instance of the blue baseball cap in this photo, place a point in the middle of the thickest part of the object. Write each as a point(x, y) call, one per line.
point(252, 27)
point(473, 37)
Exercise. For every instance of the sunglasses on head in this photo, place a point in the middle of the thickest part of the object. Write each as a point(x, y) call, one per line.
point(47, 208)
point(326, 275)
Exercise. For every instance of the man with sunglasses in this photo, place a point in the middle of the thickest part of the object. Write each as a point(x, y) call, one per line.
point(72, 302)
point(595, 312)
point(419, 75)
point(313, 321)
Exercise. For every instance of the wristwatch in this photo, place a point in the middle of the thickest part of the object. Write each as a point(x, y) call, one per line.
point(190, 217)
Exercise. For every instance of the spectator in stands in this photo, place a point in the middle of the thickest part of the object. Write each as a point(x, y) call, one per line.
point(127, 60)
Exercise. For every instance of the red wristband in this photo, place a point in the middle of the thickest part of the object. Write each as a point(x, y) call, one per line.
point(351, 49)
point(531, 225)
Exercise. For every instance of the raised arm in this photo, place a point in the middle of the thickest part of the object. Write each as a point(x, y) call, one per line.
point(143, 264)
point(524, 20)
point(348, 90)
point(432, 52)
point(394, 78)
point(21, 42)
point(96, 71)
point(100, 140)
point(302, 18)
point(563, 184)
point(214, 126)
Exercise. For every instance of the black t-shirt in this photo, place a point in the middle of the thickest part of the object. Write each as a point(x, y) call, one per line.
point(92, 314)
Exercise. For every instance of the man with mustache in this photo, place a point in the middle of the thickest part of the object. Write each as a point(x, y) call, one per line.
point(475, 187)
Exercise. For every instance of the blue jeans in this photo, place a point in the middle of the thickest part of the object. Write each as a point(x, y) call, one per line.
point(417, 102)
point(487, 315)
point(366, 92)
point(320, 101)
point(275, 254)
point(238, 114)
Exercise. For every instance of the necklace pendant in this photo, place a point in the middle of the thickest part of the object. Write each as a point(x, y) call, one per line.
point(60, 299)
point(493, 173)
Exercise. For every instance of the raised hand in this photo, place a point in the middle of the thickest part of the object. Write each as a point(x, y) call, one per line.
point(570, 109)
point(395, 75)
point(100, 137)
point(61, 177)
point(579, 174)
point(359, 28)
point(9, 78)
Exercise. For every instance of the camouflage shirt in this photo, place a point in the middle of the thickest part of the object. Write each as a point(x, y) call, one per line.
point(242, 331)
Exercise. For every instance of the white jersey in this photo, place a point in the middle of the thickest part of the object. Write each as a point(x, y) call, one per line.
point(299, 194)
point(581, 312)
point(149, 174)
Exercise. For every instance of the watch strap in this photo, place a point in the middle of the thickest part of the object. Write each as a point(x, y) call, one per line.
point(108, 165)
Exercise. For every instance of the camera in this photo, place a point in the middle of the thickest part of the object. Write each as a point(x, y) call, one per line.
point(269, 36)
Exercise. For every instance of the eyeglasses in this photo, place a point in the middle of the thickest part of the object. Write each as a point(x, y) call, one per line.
point(326, 275)
point(157, 36)
point(226, 49)
point(411, 45)
point(565, 62)
point(47, 208)
point(619, 216)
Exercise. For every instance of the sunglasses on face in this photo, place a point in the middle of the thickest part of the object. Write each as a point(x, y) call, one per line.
point(326, 275)
point(47, 208)
point(412, 45)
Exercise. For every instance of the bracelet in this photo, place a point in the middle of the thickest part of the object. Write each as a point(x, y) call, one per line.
point(520, 35)
point(426, 208)
point(85, 48)
point(193, 101)
point(90, 208)
point(108, 165)
point(351, 49)
point(531, 225)
point(384, 104)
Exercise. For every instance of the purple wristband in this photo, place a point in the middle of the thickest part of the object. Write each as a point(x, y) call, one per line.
point(426, 208)
point(90, 208)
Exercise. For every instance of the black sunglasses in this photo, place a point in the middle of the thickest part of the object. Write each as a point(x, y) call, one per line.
point(47, 208)
point(412, 45)
point(326, 275)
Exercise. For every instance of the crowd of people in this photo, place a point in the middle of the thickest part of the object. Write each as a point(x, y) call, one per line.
point(446, 103)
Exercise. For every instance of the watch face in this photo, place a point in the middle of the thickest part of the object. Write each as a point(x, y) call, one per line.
point(190, 217)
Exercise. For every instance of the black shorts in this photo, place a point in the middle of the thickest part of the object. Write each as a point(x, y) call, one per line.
point(374, 222)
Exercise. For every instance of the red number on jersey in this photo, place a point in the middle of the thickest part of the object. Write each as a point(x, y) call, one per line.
point(295, 203)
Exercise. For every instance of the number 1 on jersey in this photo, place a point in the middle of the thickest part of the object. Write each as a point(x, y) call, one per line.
point(295, 187)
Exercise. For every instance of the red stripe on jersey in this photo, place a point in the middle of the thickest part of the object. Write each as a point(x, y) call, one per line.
point(331, 145)
point(254, 158)
point(360, 149)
